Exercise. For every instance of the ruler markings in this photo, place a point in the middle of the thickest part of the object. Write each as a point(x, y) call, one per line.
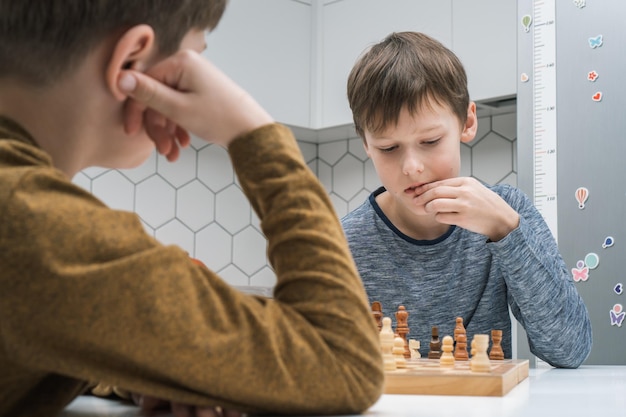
point(544, 114)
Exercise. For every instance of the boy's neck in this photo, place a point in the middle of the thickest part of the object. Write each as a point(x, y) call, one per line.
point(48, 119)
point(62, 118)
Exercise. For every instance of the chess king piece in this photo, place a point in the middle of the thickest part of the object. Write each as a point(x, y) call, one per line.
point(402, 328)
point(480, 360)
point(447, 358)
point(496, 352)
point(398, 352)
point(414, 347)
point(435, 344)
point(460, 351)
point(386, 344)
point(377, 312)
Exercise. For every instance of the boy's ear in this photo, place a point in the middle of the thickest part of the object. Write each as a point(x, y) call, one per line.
point(133, 49)
point(471, 124)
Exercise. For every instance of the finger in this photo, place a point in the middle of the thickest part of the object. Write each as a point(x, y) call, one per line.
point(150, 92)
point(148, 403)
point(207, 412)
point(184, 139)
point(133, 116)
point(181, 410)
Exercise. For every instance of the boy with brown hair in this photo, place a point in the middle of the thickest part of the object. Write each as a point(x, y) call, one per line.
point(88, 297)
point(441, 245)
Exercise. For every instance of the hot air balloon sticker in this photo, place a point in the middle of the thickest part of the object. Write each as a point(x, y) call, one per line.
point(582, 194)
point(526, 22)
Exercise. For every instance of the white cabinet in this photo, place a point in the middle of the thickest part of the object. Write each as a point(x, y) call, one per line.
point(350, 26)
point(294, 56)
point(264, 45)
point(484, 37)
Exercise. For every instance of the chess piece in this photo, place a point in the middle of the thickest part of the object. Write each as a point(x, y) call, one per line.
point(496, 352)
point(386, 345)
point(402, 328)
point(398, 352)
point(447, 358)
point(377, 312)
point(414, 347)
point(460, 351)
point(459, 328)
point(435, 344)
point(480, 360)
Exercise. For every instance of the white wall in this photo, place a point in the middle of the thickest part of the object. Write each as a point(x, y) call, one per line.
point(295, 56)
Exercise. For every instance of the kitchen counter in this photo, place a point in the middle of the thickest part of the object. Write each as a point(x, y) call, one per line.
point(547, 392)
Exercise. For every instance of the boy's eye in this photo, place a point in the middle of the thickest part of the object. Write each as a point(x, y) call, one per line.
point(432, 142)
point(389, 149)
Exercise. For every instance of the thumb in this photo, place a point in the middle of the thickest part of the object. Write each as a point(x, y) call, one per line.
point(149, 92)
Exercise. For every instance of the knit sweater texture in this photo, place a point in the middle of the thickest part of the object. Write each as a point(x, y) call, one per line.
point(87, 296)
point(463, 274)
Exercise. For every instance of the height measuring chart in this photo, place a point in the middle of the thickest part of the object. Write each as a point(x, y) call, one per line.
point(544, 111)
point(571, 99)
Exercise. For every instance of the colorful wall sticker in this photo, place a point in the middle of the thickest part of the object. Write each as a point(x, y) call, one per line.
point(608, 242)
point(597, 96)
point(592, 76)
point(617, 315)
point(524, 77)
point(582, 194)
point(580, 3)
point(527, 20)
point(596, 42)
point(592, 260)
point(619, 288)
point(581, 272)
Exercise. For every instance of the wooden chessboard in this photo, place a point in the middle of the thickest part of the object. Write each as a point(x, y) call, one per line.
point(427, 377)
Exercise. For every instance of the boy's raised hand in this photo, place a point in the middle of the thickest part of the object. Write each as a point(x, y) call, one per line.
point(186, 93)
point(467, 203)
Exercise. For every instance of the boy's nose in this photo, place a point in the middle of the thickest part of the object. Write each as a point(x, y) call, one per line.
point(412, 164)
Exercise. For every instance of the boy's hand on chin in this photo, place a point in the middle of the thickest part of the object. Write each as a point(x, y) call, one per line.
point(465, 202)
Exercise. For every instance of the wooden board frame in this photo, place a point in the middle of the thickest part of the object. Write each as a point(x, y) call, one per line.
point(427, 377)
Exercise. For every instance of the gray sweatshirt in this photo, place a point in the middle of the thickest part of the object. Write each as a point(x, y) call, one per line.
point(463, 274)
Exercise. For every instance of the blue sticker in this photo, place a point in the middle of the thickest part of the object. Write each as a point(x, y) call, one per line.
point(595, 42)
point(619, 288)
point(592, 260)
point(608, 242)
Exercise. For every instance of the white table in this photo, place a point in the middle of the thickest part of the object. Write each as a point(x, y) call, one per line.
point(587, 391)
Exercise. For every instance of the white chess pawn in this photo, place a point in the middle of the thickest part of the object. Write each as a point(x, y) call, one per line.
point(386, 345)
point(480, 360)
point(398, 352)
point(447, 357)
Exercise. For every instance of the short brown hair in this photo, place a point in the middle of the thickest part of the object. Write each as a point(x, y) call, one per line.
point(40, 40)
point(405, 69)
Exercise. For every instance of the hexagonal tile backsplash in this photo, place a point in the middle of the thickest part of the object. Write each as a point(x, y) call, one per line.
point(197, 204)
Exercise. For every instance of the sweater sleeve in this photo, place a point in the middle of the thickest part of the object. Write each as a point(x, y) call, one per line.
point(542, 295)
point(88, 295)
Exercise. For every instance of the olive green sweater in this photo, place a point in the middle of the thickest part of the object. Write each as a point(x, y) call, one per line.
point(87, 296)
